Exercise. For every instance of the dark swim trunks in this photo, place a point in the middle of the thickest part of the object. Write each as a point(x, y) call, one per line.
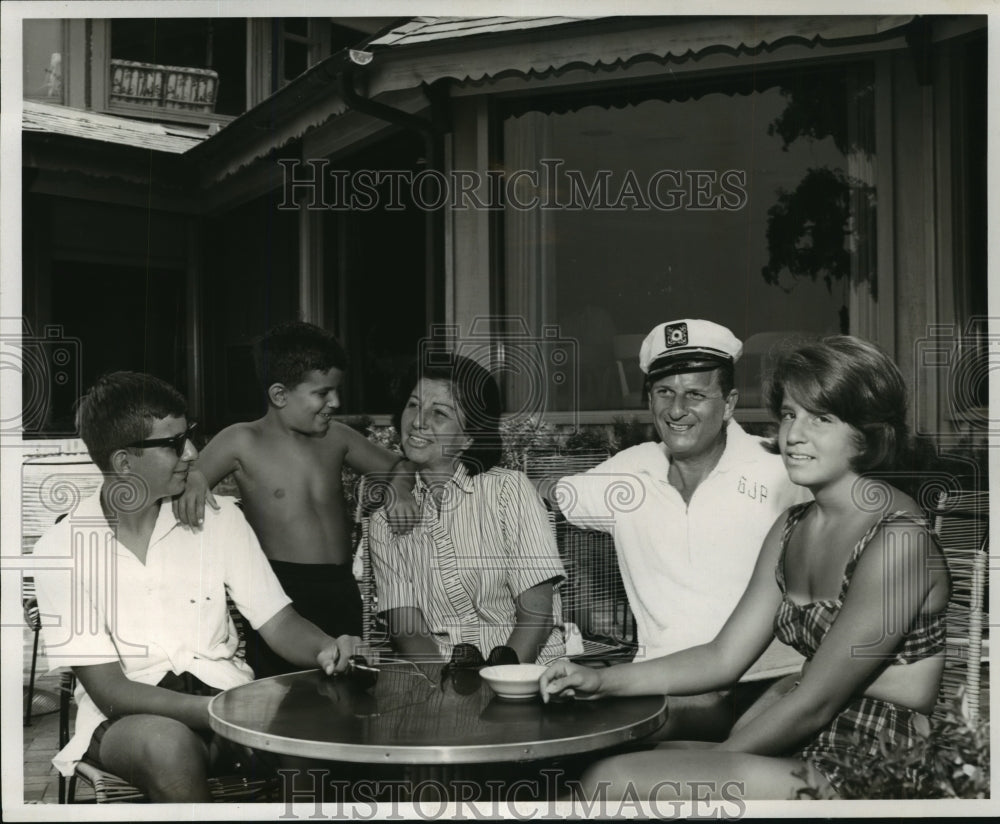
point(326, 594)
point(185, 682)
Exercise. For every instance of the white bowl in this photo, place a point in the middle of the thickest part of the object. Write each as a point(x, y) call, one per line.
point(517, 681)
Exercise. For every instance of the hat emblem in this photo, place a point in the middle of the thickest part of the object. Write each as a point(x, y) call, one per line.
point(676, 334)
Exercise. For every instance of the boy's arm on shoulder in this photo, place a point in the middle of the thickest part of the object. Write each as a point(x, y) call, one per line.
point(220, 456)
point(360, 453)
point(391, 477)
point(223, 453)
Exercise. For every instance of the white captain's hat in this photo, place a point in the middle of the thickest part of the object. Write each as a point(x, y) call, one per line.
point(688, 346)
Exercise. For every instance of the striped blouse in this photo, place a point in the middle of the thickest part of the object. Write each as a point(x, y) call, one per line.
point(468, 559)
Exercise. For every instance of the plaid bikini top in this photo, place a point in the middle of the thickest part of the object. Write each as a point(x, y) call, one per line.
point(803, 626)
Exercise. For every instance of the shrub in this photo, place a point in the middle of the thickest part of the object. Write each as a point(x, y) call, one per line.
point(524, 435)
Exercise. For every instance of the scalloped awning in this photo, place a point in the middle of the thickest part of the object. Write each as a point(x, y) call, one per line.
point(478, 50)
point(475, 49)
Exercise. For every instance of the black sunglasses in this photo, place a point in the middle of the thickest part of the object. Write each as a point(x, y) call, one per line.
point(176, 442)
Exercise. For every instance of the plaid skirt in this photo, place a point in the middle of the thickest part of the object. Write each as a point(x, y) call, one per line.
point(859, 732)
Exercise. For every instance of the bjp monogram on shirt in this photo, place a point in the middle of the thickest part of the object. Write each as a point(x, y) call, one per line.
point(752, 489)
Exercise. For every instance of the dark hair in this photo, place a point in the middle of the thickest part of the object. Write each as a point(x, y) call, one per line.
point(854, 380)
point(121, 408)
point(477, 397)
point(290, 351)
point(724, 369)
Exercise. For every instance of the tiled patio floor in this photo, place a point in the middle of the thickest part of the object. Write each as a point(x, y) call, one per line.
point(41, 739)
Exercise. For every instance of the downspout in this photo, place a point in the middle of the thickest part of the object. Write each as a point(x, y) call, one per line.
point(431, 131)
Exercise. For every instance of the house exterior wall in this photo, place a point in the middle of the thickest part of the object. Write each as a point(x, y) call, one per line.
point(919, 257)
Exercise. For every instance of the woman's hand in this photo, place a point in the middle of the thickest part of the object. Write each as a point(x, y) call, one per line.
point(567, 680)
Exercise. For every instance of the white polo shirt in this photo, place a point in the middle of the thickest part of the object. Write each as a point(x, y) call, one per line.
point(100, 604)
point(684, 566)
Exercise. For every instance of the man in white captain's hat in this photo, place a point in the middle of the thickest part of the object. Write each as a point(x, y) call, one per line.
point(690, 512)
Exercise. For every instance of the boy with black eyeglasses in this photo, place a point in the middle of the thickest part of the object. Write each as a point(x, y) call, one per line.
point(135, 603)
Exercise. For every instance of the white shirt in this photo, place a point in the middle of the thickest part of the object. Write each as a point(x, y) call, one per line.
point(684, 566)
point(466, 562)
point(100, 604)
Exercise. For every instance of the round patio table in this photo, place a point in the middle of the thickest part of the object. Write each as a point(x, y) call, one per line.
point(421, 716)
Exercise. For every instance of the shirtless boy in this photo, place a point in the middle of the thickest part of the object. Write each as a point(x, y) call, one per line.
point(288, 467)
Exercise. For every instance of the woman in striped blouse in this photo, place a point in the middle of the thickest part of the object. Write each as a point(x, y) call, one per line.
point(481, 568)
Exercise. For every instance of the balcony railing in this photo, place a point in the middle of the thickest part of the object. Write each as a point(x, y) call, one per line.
point(163, 87)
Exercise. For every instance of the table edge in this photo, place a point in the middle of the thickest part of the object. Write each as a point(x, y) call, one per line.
point(438, 754)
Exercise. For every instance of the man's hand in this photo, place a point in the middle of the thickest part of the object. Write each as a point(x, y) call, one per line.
point(332, 658)
point(189, 506)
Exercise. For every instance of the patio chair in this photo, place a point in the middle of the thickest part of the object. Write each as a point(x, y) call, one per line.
point(961, 521)
point(630, 377)
point(36, 702)
point(757, 361)
point(593, 594)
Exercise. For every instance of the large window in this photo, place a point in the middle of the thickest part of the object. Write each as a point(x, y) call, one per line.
point(376, 281)
point(747, 201)
point(104, 288)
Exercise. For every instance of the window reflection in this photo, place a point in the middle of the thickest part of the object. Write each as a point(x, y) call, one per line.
point(43, 60)
point(750, 206)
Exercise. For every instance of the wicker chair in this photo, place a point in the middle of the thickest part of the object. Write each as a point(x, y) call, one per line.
point(33, 619)
point(961, 521)
point(593, 595)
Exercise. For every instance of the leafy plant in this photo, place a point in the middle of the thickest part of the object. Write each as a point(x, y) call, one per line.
point(812, 230)
point(588, 439)
point(631, 432)
point(809, 230)
point(524, 435)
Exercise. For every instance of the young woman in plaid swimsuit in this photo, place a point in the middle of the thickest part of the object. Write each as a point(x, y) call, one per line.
point(854, 580)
